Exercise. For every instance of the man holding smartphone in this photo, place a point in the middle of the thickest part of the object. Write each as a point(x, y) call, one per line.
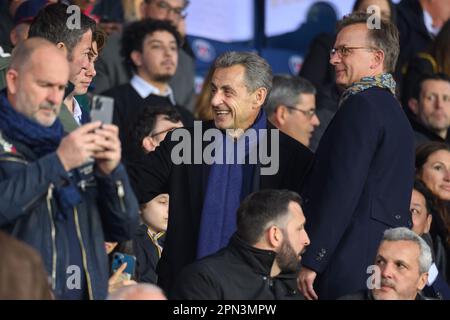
point(52, 200)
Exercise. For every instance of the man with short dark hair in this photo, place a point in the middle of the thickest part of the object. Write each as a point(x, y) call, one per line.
point(291, 107)
point(360, 183)
point(430, 108)
point(262, 258)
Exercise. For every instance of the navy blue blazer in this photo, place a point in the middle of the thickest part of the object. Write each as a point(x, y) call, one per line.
point(360, 184)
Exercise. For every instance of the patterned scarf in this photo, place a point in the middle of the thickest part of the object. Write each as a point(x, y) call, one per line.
point(384, 80)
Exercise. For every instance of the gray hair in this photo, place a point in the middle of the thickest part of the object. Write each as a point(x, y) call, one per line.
point(385, 38)
point(141, 291)
point(258, 73)
point(405, 234)
point(286, 90)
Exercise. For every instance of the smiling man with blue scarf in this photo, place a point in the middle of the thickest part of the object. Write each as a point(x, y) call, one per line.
point(204, 196)
point(362, 177)
point(64, 196)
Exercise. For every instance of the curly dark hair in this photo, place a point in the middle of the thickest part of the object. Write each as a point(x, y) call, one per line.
point(134, 35)
point(146, 121)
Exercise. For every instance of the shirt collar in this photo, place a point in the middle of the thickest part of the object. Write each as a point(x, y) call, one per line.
point(77, 111)
point(429, 23)
point(144, 89)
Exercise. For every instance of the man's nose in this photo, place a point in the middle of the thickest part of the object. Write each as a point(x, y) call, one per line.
point(315, 121)
point(53, 95)
point(387, 271)
point(334, 58)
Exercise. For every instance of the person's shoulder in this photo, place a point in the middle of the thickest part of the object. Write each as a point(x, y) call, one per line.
point(290, 144)
point(374, 98)
point(118, 91)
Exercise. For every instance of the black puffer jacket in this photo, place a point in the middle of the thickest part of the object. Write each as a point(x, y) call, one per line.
point(28, 211)
point(237, 272)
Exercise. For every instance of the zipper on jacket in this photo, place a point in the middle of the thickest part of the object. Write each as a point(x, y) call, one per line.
point(13, 159)
point(83, 253)
point(121, 194)
point(53, 233)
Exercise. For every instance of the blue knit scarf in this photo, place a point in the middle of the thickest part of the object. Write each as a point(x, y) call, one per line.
point(224, 193)
point(41, 141)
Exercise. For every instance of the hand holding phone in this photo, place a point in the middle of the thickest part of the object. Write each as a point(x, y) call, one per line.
point(119, 259)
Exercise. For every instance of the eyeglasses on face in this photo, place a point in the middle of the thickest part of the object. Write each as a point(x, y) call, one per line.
point(152, 135)
point(307, 113)
point(344, 51)
point(179, 12)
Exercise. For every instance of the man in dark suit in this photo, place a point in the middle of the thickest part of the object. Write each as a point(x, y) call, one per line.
point(204, 194)
point(361, 180)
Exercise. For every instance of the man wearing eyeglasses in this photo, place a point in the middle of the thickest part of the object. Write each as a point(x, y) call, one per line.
point(291, 107)
point(111, 71)
point(360, 183)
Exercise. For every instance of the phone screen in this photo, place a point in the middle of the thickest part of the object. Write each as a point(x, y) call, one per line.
point(102, 109)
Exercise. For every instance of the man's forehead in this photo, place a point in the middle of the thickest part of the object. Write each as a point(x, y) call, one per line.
point(435, 84)
point(399, 250)
point(307, 99)
point(172, 3)
point(297, 212)
point(352, 33)
point(175, 3)
point(230, 76)
point(160, 35)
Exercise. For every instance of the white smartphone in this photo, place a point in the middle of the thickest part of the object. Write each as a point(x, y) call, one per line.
point(102, 109)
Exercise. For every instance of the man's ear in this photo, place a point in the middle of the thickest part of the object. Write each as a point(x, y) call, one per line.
point(259, 97)
point(148, 145)
point(136, 57)
point(413, 105)
point(422, 281)
point(274, 237)
point(12, 78)
point(428, 223)
point(63, 47)
point(13, 37)
point(280, 115)
point(378, 59)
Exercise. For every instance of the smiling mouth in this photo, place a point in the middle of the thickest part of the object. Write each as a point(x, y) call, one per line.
point(222, 112)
